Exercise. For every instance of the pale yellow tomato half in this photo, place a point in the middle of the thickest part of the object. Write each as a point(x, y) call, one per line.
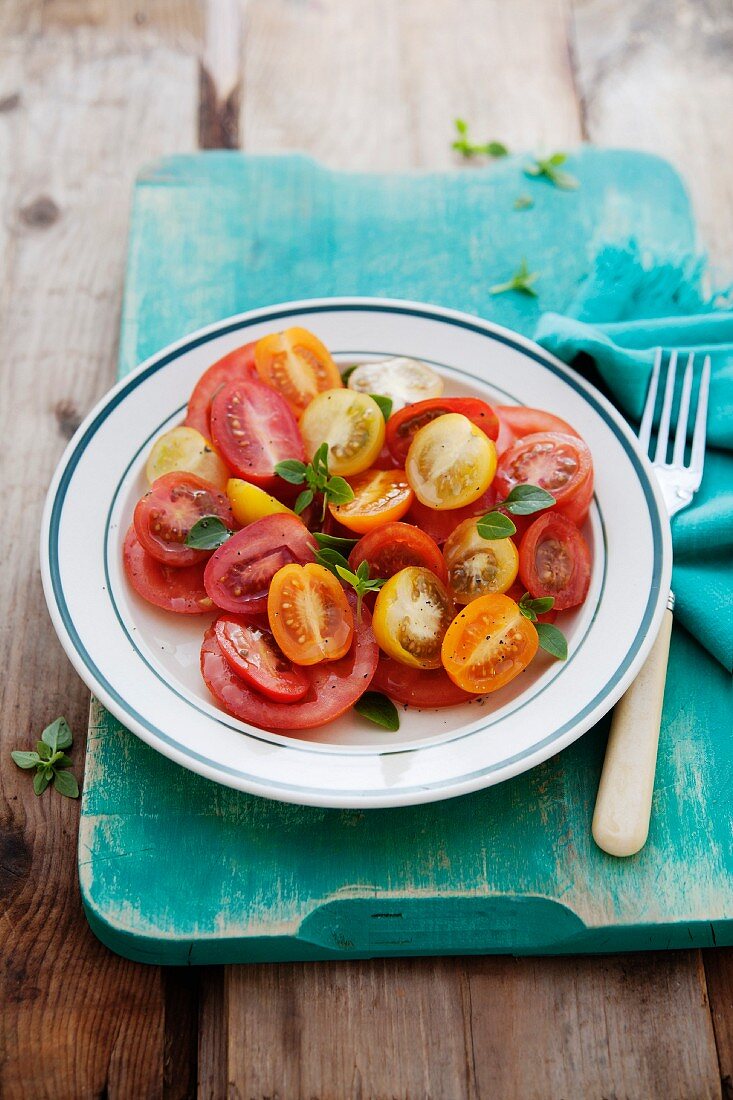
point(184, 449)
point(350, 423)
point(450, 462)
point(411, 615)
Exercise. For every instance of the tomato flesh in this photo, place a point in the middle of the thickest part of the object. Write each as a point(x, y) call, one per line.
point(180, 590)
point(477, 566)
point(554, 560)
point(380, 497)
point(238, 365)
point(333, 686)
point(394, 547)
point(238, 574)
point(403, 425)
point(559, 463)
point(411, 615)
point(488, 644)
point(309, 614)
point(251, 651)
point(297, 365)
point(163, 518)
point(430, 687)
point(450, 462)
point(253, 429)
point(352, 426)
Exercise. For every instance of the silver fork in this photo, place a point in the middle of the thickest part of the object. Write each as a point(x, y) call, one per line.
point(623, 804)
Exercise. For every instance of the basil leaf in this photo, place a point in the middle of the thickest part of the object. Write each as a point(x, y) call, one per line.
point(334, 542)
point(44, 751)
point(347, 372)
point(524, 500)
point(339, 491)
point(553, 640)
point(208, 533)
point(494, 525)
point(496, 149)
point(378, 709)
point(57, 735)
point(64, 761)
point(291, 470)
point(320, 459)
point(541, 605)
point(331, 559)
point(65, 783)
point(25, 759)
point(527, 612)
point(385, 404)
point(347, 575)
point(40, 781)
point(303, 500)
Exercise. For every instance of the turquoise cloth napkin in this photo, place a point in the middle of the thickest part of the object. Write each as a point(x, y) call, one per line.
point(621, 353)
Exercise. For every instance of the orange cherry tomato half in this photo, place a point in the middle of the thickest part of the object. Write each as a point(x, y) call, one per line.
point(396, 546)
point(554, 560)
point(380, 496)
point(488, 643)
point(405, 423)
point(557, 462)
point(309, 614)
point(297, 365)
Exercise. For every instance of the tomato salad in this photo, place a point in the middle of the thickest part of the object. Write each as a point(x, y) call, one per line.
point(359, 533)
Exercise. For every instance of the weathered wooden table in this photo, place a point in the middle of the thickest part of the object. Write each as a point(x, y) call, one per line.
point(89, 91)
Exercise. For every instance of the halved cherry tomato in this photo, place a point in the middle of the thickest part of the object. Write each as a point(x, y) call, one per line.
point(488, 643)
point(395, 546)
point(185, 449)
point(334, 686)
point(411, 615)
point(297, 365)
point(253, 429)
point(179, 590)
point(350, 423)
point(560, 463)
point(402, 425)
point(309, 614)
point(164, 517)
point(238, 574)
point(250, 503)
point(380, 496)
point(554, 560)
point(516, 592)
point(477, 566)
point(251, 651)
point(450, 462)
point(237, 366)
point(402, 380)
point(429, 687)
point(439, 525)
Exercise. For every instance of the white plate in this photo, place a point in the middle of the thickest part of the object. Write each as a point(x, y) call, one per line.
point(143, 663)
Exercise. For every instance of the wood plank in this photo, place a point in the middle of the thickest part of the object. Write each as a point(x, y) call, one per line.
point(719, 976)
point(386, 98)
point(78, 120)
point(659, 77)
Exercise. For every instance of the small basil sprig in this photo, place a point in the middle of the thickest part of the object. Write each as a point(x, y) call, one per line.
point(360, 580)
point(521, 280)
point(549, 167)
point(50, 761)
point(334, 490)
point(468, 149)
point(378, 709)
point(385, 404)
point(551, 639)
point(523, 500)
point(208, 533)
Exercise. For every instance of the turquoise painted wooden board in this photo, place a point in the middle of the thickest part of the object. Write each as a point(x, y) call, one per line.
point(175, 869)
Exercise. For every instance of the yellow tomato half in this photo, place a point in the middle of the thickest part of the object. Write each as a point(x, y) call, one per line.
point(450, 462)
point(350, 423)
point(184, 449)
point(478, 566)
point(250, 503)
point(411, 615)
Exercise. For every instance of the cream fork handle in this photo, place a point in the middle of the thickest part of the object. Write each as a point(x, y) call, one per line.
point(624, 800)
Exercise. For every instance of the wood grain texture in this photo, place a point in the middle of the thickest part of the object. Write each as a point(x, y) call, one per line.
point(719, 976)
point(78, 119)
point(659, 76)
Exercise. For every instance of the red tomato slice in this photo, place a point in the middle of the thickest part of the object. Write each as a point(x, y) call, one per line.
point(554, 560)
point(517, 591)
point(402, 425)
point(251, 651)
point(164, 517)
point(439, 525)
point(560, 463)
point(179, 590)
point(395, 546)
point(238, 574)
point(333, 686)
point(520, 420)
point(253, 429)
point(238, 365)
point(414, 687)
